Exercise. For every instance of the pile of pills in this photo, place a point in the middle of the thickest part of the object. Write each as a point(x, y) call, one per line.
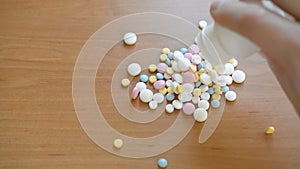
point(186, 81)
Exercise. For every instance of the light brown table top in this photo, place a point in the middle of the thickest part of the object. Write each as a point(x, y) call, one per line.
point(39, 44)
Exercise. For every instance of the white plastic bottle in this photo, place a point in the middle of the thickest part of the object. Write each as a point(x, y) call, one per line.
point(219, 44)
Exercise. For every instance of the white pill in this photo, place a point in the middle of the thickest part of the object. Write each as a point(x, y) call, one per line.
point(169, 83)
point(158, 97)
point(177, 55)
point(228, 80)
point(205, 96)
point(146, 95)
point(175, 66)
point(200, 114)
point(130, 38)
point(177, 104)
point(178, 78)
point(185, 97)
point(153, 104)
point(134, 69)
point(230, 96)
point(205, 79)
point(141, 86)
point(196, 59)
point(208, 67)
point(203, 88)
point(188, 87)
point(169, 108)
point(204, 104)
point(238, 76)
point(196, 100)
point(221, 81)
point(229, 68)
point(183, 64)
point(202, 24)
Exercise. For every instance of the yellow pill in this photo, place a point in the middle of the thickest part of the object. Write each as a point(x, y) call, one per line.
point(163, 57)
point(152, 79)
point(193, 68)
point(125, 82)
point(152, 68)
point(118, 143)
point(163, 91)
point(170, 89)
point(231, 61)
point(170, 71)
point(201, 71)
point(216, 87)
point(216, 96)
point(197, 92)
point(179, 89)
point(197, 77)
point(165, 51)
point(269, 130)
point(210, 85)
point(218, 91)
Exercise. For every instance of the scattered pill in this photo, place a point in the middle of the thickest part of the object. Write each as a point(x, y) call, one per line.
point(146, 95)
point(134, 69)
point(163, 57)
point(170, 96)
point(202, 24)
point(169, 108)
point(204, 104)
point(183, 50)
point(125, 82)
point(188, 77)
point(170, 55)
point(130, 38)
point(159, 84)
point(153, 104)
point(162, 67)
point(165, 51)
point(238, 76)
point(188, 108)
point(141, 86)
point(152, 79)
point(185, 97)
point(159, 76)
point(158, 97)
point(197, 92)
point(225, 89)
point(270, 130)
point(162, 163)
point(230, 96)
point(205, 79)
point(194, 49)
point(205, 96)
point(216, 96)
point(177, 104)
point(215, 103)
point(229, 68)
point(152, 68)
point(135, 93)
point(163, 91)
point(196, 100)
point(144, 78)
point(200, 114)
point(118, 143)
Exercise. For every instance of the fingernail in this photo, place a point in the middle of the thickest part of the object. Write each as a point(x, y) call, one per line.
point(214, 6)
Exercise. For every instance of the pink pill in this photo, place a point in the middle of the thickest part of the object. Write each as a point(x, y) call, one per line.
point(188, 108)
point(135, 93)
point(188, 56)
point(188, 77)
point(162, 67)
point(159, 84)
point(194, 49)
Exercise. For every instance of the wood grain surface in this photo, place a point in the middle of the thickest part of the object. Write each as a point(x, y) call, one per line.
point(39, 44)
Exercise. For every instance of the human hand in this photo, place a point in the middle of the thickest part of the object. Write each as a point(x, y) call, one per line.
point(278, 37)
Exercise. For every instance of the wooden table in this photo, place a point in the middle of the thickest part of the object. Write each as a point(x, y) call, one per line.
point(39, 44)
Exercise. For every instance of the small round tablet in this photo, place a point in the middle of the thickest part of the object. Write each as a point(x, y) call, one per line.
point(118, 143)
point(215, 103)
point(162, 163)
point(153, 104)
point(125, 82)
point(146, 95)
point(177, 104)
point(141, 86)
point(158, 97)
point(238, 76)
point(204, 104)
point(230, 96)
point(205, 96)
point(269, 130)
point(200, 114)
point(130, 38)
point(169, 108)
point(188, 108)
point(134, 69)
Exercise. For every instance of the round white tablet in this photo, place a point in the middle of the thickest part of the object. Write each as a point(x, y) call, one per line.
point(188, 87)
point(204, 104)
point(185, 97)
point(134, 69)
point(146, 95)
point(169, 108)
point(130, 38)
point(205, 79)
point(202, 24)
point(177, 104)
point(230, 96)
point(238, 76)
point(228, 80)
point(196, 100)
point(205, 96)
point(153, 104)
point(158, 97)
point(141, 86)
point(229, 68)
point(200, 114)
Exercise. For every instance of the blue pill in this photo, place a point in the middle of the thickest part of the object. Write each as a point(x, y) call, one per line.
point(170, 96)
point(168, 62)
point(211, 91)
point(183, 50)
point(198, 84)
point(225, 89)
point(215, 103)
point(199, 66)
point(171, 55)
point(144, 78)
point(159, 76)
point(162, 163)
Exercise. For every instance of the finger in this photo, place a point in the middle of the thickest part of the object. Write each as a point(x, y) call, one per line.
point(290, 6)
point(272, 33)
